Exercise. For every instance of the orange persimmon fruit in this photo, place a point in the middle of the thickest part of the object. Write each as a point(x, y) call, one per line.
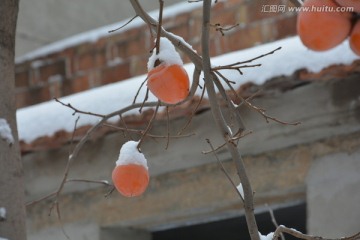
point(321, 30)
point(355, 4)
point(355, 38)
point(169, 83)
point(130, 180)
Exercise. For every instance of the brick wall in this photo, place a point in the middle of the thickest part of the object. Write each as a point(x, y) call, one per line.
point(123, 55)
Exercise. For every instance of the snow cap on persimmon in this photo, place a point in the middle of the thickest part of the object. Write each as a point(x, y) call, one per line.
point(129, 154)
point(167, 55)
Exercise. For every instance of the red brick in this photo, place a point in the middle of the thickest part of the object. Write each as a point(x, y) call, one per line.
point(180, 30)
point(55, 68)
point(22, 98)
point(83, 48)
point(123, 36)
point(218, 45)
point(233, 3)
point(116, 73)
point(245, 37)
point(100, 58)
point(32, 96)
point(76, 84)
point(138, 65)
point(258, 10)
point(39, 95)
point(136, 46)
point(90, 60)
point(195, 32)
point(196, 13)
point(22, 79)
point(286, 26)
point(80, 83)
point(182, 18)
point(268, 31)
point(225, 18)
point(85, 61)
point(218, 7)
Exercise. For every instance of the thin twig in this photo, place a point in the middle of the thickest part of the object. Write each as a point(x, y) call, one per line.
point(77, 110)
point(116, 29)
point(144, 101)
point(247, 103)
point(141, 132)
point(193, 113)
point(110, 192)
point(138, 91)
point(50, 195)
point(149, 126)
point(167, 128)
point(273, 220)
point(73, 134)
point(223, 29)
point(229, 66)
point(267, 117)
point(237, 137)
point(300, 235)
point(234, 111)
point(103, 182)
point(60, 221)
point(224, 170)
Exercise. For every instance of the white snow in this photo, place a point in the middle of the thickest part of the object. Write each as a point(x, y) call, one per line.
point(129, 154)
point(2, 213)
point(266, 237)
point(293, 56)
point(94, 35)
point(5, 131)
point(167, 55)
point(47, 118)
point(240, 190)
point(182, 41)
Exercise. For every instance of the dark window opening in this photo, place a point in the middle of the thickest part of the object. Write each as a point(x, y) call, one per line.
point(235, 228)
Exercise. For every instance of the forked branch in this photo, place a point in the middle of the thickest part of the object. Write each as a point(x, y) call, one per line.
point(299, 235)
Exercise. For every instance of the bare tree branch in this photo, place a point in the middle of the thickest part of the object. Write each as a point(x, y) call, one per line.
point(132, 19)
point(224, 129)
point(297, 234)
point(77, 110)
point(273, 220)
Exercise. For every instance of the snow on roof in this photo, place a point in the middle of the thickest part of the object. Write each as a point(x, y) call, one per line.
point(95, 34)
point(47, 118)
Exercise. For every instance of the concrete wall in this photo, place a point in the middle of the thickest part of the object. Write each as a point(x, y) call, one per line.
point(285, 164)
point(333, 195)
point(41, 22)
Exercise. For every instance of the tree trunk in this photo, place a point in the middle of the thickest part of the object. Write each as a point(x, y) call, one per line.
point(12, 226)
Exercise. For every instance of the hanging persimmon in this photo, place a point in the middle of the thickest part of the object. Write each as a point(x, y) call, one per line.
point(130, 175)
point(320, 29)
point(170, 84)
point(354, 39)
point(167, 78)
